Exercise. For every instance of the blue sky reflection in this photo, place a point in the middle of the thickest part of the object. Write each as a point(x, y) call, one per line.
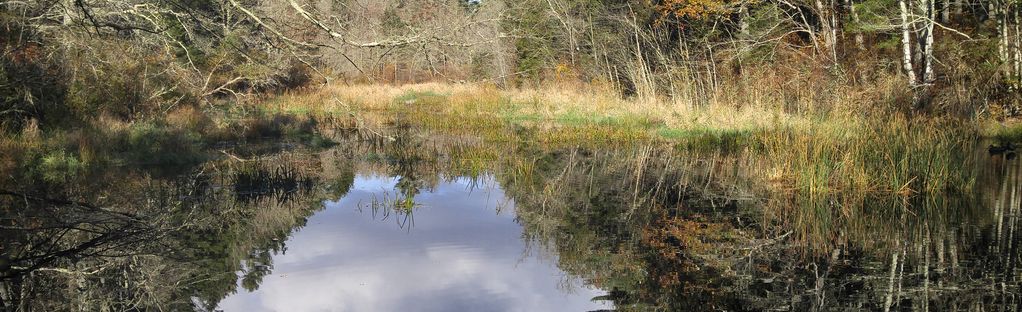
point(460, 255)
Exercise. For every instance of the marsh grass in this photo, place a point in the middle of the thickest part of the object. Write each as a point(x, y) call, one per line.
point(1003, 132)
point(284, 182)
point(814, 150)
point(708, 139)
point(480, 108)
point(182, 138)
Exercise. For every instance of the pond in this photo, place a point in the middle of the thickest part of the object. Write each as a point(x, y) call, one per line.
point(425, 222)
point(458, 249)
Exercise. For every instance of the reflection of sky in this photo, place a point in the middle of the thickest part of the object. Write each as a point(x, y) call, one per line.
point(460, 255)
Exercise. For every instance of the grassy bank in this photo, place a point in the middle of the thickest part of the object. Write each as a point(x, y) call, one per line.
point(818, 172)
point(831, 146)
point(859, 142)
point(183, 137)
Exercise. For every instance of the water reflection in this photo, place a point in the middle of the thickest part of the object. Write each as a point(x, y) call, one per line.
point(461, 255)
point(426, 222)
point(132, 240)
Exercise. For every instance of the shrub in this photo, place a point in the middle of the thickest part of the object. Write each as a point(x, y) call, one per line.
point(60, 167)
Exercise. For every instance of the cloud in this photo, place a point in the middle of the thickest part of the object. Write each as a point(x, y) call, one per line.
point(459, 256)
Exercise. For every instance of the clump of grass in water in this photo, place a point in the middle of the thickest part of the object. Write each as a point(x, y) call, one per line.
point(60, 167)
point(403, 206)
point(254, 182)
point(812, 154)
point(896, 156)
point(833, 175)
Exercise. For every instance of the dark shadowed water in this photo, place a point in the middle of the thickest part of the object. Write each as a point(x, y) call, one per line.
point(426, 223)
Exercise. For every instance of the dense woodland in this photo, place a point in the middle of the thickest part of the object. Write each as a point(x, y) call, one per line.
point(69, 60)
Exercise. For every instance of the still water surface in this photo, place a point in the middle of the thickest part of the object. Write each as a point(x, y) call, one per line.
point(459, 250)
point(423, 223)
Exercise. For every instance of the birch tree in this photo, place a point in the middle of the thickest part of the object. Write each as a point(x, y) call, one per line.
point(917, 41)
point(906, 42)
point(1008, 41)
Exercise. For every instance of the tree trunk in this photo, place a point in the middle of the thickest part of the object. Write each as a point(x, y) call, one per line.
point(906, 42)
point(833, 29)
point(859, 42)
point(743, 21)
point(1018, 44)
point(1002, 30)
point(889, 296)
point(945, 11)
point(572, 43)
point(826, 17)
point(928, 76)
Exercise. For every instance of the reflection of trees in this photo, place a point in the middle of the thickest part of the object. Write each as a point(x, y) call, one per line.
point(693, 250)
point(171, 244)
point(657, 228)
point(47, 243)
point(628, 221)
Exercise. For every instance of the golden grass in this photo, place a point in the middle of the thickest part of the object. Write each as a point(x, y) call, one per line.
point(818, 143)
point(546, 107)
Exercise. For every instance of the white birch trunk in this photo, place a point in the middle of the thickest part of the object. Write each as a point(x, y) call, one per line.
point(1013, 42)
point(70, 13)
point(833, 30)
point(889, 296)
point(928, 75)
point(827, 28)
point(1002, 30)
point(906, 42)
point(945, 11)
point(1018, 44)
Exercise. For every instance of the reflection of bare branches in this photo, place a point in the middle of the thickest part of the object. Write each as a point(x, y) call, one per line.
point(69, 203)
point(68, 230)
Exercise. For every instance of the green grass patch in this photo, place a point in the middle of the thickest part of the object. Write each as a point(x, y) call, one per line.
point(512, 113)
point(420, 98)
point(60, 167)
point(626, 121)
point(711, 139)
point(574, 118)
point(1005, 133)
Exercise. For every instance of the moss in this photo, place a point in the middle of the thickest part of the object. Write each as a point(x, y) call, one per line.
point(519, 118)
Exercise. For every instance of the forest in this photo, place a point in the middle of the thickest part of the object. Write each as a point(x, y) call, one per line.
point(68, 62)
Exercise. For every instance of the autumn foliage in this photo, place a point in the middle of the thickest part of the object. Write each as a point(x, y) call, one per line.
point(688, 10)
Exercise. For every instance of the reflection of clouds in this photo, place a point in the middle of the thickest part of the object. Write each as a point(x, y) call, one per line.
point(459, 256)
